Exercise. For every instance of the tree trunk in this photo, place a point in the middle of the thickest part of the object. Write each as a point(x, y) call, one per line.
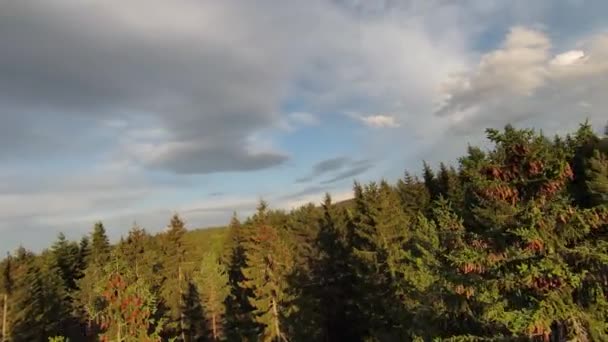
point(4, 314)
point(214, 328)
point(275, 313)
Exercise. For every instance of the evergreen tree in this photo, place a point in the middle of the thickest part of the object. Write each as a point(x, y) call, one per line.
point(195, 326)
point(66, 259)
point(41, 307)
point(139, 251)
point(333, 279)
point(582, 146)
point(174, 283)
point(96, 256)
point(268, 262)
point(239, 312)
point(512, 245)
point(430, 181)
point(83, 256)
point(449, 185)
point(213, 288)
point(100, 246)
point(380, 231)
point(597, 177)
point(414, 195)
point(128, 306)
point(422, 287)
point(514, 263)
point(8, 283)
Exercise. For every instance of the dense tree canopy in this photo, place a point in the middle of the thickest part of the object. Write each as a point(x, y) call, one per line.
point(510, 244)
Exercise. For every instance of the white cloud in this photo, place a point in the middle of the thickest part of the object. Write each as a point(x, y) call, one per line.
point(523, 82)
point(376, 121)
point(517, 69)
point(380, 121)
point(568, 58)
point(194, 86)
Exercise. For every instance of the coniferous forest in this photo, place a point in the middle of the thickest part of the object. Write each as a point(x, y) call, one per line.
point(508, 244)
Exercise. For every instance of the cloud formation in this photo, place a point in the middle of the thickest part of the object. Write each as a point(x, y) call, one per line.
point(169, 95)
point(524, 80)
point(355, 168)
point(380, 121)
point(341, 168)
point(325, 166)
point(192, 71)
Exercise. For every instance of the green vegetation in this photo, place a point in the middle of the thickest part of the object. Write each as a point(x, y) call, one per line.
point(511, 244)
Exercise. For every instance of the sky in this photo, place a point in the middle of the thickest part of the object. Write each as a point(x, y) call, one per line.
point(130, 111)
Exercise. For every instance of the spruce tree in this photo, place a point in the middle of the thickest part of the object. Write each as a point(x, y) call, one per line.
point(415, 196)
point(515, 263)
point(239, 312)
point(596, 173)
point(41, 306)
point(127, 311)
point(96, 256)
point(582, 146)
point(100, 246)
point(430, 181)
point(268, 262)
point(139, 251)
point(195, 327)
point(212, 283)
point(174, 283)
point(8, 283)
point(66, 259)
point(380, 231)
point(511, 245)
point(333, 279)
point(83, 256)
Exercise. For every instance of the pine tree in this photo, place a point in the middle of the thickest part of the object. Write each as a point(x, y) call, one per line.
point(96, 256)
point(128, 306)
point(596, 173)
point(100, 246)
point(268, 262)
point(582, 146)
point(420, 273)
point(8, 282)
point(139, 251)
point(514, 263)
point(66, 259)
point(510, 245)
point(194, 314)
point(174, 283)
point(302, 228)
point(449, 185)
point(41, 306)
point(213, 288)
point(380, 231)
point(414, 195)
point(239, 312)
point(333, 279)
point(83, 256)
point(430, 181)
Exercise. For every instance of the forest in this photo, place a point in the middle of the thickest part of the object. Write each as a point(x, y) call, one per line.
point(508, 244)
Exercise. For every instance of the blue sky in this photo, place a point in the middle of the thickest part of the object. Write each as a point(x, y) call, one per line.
point(128, 111)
